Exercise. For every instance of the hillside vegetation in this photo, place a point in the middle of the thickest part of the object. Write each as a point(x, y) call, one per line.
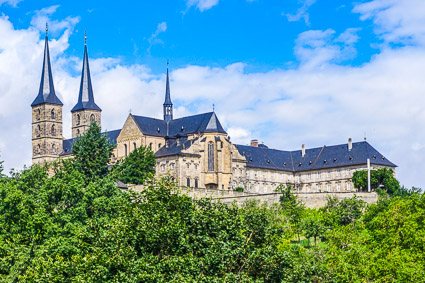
point(76, 226)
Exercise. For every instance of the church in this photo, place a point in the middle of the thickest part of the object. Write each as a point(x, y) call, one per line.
point(196, 150)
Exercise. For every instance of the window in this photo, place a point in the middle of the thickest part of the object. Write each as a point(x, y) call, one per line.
point(52, 114)
point(210, 157)
point(196, 166)
point(338, 173)
point(37, 114)
point(234, 185)
point(159, 146)
point(92, 118)
point(78, 119)
point(318, 175)
point(125, 150)
point(78, 132)
point(348, 187)
point(196, 183)
point(329, 174)
point(172, 165)
point(134, 146)
point(188, 182)
point(150, 146)
point(187, 165)
point(264, 176)
point(38, 132)
point(53, 149)
point(53, 130)
point(339, 187)
point(309, 176)
point(162, 167)
point(329, 188)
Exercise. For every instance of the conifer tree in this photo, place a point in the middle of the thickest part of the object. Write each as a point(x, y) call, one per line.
point(92, 152)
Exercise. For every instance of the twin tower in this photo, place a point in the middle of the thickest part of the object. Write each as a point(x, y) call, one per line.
point(47, 138)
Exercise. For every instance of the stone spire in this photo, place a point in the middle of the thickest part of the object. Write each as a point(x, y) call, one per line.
point(168, 105)
point(85, 96)
point(46, 94)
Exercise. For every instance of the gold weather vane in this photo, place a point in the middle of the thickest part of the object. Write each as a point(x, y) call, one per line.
point(47, 28)
point(85, 37)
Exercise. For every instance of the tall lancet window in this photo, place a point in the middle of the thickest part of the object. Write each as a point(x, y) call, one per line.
point(210, 156)
point(52, 114)
point(78, 119)
point(53, 130)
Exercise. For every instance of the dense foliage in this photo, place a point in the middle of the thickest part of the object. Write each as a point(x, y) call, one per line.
point(74, 226)
point(138, 166)
point(382, 179)
point(92, 152)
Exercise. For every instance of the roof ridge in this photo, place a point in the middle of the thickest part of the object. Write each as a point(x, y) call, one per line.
point(320, 153)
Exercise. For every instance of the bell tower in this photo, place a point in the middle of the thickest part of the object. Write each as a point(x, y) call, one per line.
point(46, 116)
point(86, 109)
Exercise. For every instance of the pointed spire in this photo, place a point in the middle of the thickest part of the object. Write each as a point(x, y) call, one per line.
point(85, 96)
point(46, 94)
point(168, 105)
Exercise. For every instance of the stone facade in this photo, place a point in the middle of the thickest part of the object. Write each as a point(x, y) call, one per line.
point(46, 132)
point(81, 121)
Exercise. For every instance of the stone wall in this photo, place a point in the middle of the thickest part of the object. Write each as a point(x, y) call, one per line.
point(312, 200)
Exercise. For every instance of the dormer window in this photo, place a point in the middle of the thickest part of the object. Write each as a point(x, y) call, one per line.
point(182, 129)
point(158, 130)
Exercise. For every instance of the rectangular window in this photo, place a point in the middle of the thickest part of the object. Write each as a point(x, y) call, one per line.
point(339, 187)
point(329, 174)
point(318, 175)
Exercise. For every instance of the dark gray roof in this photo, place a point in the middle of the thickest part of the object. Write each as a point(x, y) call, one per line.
point(167, 92)
point(111, 135)
point(85, 96)
point(202, 123)
point(314, 159)
point(46, 94)
point(175, 147)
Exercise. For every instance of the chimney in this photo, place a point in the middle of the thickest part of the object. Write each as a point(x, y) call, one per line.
point(254, 143)
point(303, 150)
point(350, 144)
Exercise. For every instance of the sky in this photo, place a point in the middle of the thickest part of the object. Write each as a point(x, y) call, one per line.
point(287, 73)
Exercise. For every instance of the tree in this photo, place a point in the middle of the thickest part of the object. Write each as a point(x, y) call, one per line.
point(136, 167)
point(381, 179)
point(313, 225)
point(92, 152)
point(344, 212)
point(292, 207)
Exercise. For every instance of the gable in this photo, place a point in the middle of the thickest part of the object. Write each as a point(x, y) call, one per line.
point(130, 130)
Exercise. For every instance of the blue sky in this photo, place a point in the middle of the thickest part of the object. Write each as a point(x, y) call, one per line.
point(257, 33)
point(287, 73)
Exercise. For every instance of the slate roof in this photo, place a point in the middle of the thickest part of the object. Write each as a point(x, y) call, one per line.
point(46, 94)
point(67, 144)
point(175, 147)
point(202, 123)
point(85, 96)
point(314, 159)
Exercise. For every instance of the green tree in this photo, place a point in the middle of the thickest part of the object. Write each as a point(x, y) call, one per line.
point(138, 166)
point(381, 179)
point(344, 212)
point(292, 208)
point(92, 152)
point(313, 225)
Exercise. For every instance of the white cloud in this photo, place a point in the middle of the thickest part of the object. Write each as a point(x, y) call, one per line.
point(315, 48)
point(43, 16)
point(162, 27)
point(302, 12)
point(12, 3)
point(202, 5)
point(396, 21)
point(318, 103)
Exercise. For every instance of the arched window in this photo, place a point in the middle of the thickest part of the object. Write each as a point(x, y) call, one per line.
point(38, 131)
point(78, 132)
point(92, 118)
point(53, 149)
point(39, 148)
point(125, 150)
point(134, 146)
point(53, 130)
point(37, 114)
point(210, 156)
point(196, 183)
point(150, 146)
point(52, 114)
point(188, 182)
point(78, 119)
point(159, 146)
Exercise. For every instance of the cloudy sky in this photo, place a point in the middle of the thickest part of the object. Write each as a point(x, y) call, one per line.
point(285, 72)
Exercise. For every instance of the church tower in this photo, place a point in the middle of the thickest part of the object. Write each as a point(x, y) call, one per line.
point(86, 109)
point(46, 116)
point(168, 105)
